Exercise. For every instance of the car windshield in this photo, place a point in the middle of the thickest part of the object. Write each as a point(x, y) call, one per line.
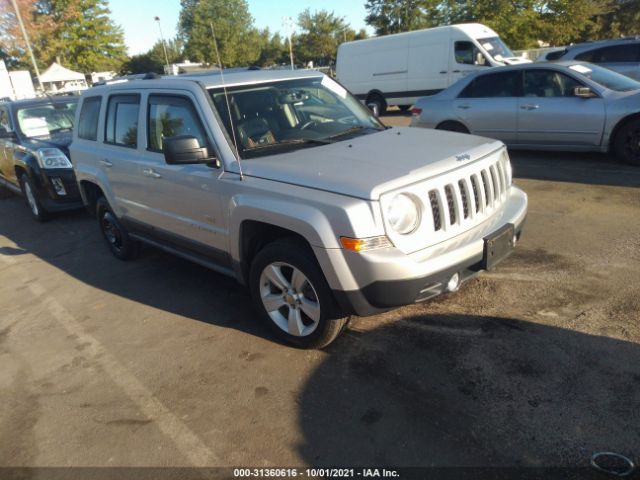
point(496, 47)
point(46, 118)
point(290, 114)
point(605, 77)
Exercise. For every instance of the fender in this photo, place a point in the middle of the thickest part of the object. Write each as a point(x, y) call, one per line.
point(303, 219)
point(94, 174)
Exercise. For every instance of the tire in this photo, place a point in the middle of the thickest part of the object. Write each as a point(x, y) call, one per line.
point(120, 243)
point(626, 143)
point(288, 288)
point(404, 108)
point(451, 126)
point(35, 207)
point(379, 101)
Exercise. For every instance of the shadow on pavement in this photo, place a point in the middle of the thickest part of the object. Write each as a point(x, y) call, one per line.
point(449, 390)
point(587, 168)
point(73, 243)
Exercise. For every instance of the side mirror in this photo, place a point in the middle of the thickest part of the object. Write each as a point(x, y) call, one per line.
point(374, 109)
point(583, 92)
point(185, 149)
point(480, 59)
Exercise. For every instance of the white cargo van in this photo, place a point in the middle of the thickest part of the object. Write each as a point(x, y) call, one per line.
point(398, 69)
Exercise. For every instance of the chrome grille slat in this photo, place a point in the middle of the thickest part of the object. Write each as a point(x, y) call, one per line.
point(458, 201)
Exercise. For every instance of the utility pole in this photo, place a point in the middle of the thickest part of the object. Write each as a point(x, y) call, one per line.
point(26, 40)
point(164, 48)
point(287, 22)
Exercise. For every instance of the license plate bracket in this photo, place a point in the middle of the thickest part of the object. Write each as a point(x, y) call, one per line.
point(497, 246)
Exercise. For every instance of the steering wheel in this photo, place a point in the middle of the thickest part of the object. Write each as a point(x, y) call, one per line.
point(308, 124)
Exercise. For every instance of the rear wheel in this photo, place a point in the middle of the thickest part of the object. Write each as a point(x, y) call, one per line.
point(452, 126)
point(289, 289)
point(379, 101)
point(35, 207)
point(404, 108)
point(120, 243)
point(626, 143)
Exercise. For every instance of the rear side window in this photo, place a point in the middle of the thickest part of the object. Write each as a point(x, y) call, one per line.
point(122, 120)
point(614, 54)
point(171, 116)
point(88, 120)
point(503, 84)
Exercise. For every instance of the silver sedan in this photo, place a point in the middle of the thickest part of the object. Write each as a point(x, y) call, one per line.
point(548, 106)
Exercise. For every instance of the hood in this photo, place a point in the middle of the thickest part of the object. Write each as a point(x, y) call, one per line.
point(57, 140)
point(369, 165)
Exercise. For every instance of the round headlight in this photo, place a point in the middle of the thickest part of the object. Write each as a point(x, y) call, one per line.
point(403, 214)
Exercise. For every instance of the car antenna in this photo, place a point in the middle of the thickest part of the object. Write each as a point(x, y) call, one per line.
point(226, 99)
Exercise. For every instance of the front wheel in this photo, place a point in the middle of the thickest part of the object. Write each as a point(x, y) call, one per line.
point(35, 207)
point(626, 144)
point(289, 289)
point(451, 126)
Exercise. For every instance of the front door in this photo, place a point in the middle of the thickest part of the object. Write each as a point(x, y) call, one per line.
point(550, 114)
point(183, 201)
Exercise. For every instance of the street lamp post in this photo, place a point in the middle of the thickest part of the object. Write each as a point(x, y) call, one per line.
point(287, 22)
point(164, 48)
point(26, 40)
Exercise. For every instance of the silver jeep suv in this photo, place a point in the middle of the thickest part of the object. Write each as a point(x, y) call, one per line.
point(284, 181)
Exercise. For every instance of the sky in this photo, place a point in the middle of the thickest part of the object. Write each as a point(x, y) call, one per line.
point(141, 31)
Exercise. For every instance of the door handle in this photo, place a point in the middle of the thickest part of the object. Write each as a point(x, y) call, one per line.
point(106, 163)
point(456, 71)
point(149, 172)
point(530, 107)
point(464, 107)
point(443, 72)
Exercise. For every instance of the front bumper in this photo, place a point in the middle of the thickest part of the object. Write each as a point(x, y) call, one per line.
point(371, 282)
point(50, 199)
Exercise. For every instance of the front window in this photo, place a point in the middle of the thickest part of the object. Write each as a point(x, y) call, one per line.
point(46, 118)
point(288, 114)
point(605, 77)
point(496, 48)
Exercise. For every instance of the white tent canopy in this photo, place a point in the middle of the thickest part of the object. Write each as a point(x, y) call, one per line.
point(57, 73)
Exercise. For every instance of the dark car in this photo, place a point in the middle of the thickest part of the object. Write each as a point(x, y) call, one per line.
point(34, 156)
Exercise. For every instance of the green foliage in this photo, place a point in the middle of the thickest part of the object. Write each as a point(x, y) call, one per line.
point(238, 41)
point(77, 33)
point(320, 34)
point(521, 23)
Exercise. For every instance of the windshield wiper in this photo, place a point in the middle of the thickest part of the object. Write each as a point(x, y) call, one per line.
point(354, 129)
point(292, 142)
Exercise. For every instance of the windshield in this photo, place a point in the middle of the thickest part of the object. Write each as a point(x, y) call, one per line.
point(46, 118)
point(605, 77)
point(496, 47)
point(289, 114)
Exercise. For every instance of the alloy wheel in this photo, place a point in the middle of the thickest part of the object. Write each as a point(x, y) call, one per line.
point(289, 299)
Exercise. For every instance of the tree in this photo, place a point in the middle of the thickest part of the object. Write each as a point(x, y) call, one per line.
point(77, 33)
point(521, 23)
point(321, 33)
point(273, 50)
point(153, 60)
point(237, 40)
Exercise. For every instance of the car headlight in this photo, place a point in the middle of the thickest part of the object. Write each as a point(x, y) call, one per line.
point(403, 214)
point(53, 158)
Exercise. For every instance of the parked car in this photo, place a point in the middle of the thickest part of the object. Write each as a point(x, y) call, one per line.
point(621, 55)
point(34, 156)
point(398, 69)
point(572, 106)
point(286, 182)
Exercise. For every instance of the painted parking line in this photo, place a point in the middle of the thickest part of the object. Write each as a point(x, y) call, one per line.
point(185, 440)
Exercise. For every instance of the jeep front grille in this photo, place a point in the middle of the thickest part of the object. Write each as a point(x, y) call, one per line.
point(474, 194)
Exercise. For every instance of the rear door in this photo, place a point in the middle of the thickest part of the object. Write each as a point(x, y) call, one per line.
point(6, 146)
point(488, 105)
point(550, 114)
